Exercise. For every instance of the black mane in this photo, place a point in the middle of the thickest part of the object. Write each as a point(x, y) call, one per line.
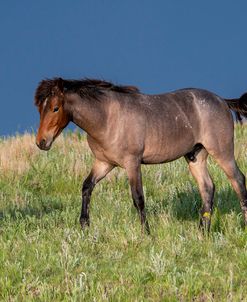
point(86, 88)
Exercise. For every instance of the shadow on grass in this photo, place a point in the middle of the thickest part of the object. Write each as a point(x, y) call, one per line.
point(37, 210)
point(187, 205)
point(184, 205)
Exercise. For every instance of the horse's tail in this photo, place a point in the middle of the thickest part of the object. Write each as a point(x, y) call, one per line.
point(239, 106)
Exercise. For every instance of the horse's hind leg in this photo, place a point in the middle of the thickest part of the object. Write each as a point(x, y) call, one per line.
point(100, 170)
point(198, 168)
point(227, 162)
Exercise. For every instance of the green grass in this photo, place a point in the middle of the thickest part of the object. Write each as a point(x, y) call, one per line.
point(44, 255)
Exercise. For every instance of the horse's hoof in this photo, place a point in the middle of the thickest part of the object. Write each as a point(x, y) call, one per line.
point(145, 228)
point(84, 223)
point(205, 225)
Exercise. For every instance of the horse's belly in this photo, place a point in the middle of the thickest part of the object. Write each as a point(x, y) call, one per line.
point(165, 150)
point(155, 158)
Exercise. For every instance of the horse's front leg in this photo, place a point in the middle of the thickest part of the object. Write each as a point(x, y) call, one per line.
point(99, 171)
point(135, 180)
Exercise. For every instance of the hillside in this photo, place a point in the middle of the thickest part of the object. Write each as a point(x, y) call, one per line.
point(44, 255)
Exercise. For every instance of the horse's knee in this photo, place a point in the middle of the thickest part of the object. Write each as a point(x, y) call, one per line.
point(87, 186)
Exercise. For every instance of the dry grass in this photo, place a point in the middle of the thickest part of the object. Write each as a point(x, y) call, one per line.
point(16, 154)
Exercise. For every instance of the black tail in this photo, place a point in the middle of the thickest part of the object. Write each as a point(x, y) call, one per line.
point(239, 106)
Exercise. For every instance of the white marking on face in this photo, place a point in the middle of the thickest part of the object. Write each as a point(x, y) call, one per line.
point(45, 102)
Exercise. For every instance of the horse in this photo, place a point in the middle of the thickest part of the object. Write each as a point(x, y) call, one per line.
point(127, 128)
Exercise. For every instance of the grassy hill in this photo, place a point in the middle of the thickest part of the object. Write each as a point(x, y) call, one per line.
point(44, 255)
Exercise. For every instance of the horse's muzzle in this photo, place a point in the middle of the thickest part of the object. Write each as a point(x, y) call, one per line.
point(44, 144)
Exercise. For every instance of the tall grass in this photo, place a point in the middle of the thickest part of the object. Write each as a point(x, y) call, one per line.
point(44, 255)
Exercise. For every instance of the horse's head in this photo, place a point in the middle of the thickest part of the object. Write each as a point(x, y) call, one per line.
point(49, 99)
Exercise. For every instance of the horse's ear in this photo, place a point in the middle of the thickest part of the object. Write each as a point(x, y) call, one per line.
point(60, 84)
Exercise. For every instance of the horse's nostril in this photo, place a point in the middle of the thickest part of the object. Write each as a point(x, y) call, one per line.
point(42, 143)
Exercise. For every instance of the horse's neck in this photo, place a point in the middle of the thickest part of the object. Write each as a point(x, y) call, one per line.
point(89, 115)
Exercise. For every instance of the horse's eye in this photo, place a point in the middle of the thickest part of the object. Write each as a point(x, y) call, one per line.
point(55, 109)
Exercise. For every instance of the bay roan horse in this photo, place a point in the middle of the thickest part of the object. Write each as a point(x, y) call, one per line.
point(127, 128)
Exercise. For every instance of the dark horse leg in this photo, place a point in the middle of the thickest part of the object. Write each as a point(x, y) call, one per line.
point(135, 180)
point(198, 168)
point(100, 170)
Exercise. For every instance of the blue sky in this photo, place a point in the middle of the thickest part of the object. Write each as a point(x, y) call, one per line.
point(156, 45)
